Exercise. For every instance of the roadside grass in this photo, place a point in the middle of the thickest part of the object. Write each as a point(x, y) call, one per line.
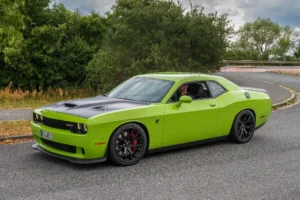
point(10, 98)
point(14, 128)
point(10, 141)
point(287, 72)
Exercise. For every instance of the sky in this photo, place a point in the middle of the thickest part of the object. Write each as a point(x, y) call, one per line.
point(284, 12)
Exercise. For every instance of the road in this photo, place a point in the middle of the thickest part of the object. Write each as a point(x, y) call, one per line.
point(265, 168)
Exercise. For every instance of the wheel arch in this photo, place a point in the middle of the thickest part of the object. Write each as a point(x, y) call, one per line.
point(250, 109)
point(253, 112)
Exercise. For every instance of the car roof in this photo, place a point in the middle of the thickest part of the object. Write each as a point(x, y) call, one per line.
point(178, 76)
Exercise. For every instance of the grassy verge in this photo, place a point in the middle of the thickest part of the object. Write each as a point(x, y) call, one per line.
point(10, 98)
point(14, 128)
point(16, 141)
point(286, 72)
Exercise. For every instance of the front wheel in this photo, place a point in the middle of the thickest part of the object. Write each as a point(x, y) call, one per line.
point(128, 144)
point(243, 127)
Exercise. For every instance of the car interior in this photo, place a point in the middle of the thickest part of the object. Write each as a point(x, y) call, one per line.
point(199, 90)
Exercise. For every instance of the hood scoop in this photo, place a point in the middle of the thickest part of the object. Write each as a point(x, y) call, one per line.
point(105, 108)
point(70, 105)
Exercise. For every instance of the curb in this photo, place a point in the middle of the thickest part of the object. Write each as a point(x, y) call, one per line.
point(29, 136)
point(288, 101)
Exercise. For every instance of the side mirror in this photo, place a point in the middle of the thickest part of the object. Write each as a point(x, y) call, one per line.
point(184, 99)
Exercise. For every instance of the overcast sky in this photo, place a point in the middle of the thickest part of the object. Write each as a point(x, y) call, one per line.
point(284, 12)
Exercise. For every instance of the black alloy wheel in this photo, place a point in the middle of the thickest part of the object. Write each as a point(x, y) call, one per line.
point(128, 144)
point(243, 127)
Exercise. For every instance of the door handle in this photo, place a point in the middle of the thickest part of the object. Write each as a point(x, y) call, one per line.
point(212, 104)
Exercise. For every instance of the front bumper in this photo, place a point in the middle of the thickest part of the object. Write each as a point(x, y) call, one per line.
point(76, 148)
point(72, 160)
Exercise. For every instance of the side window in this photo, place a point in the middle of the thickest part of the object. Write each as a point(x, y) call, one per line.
point(197, 90)
point(216, 88)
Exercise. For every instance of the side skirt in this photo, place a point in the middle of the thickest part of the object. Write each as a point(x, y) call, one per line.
point(185, 145)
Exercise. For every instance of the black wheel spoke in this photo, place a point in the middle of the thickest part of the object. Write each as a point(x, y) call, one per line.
point(129, 144)
point(136, 146)
point(130, 153)
point(120, 148)
point(135, 137)
point(245, 126)
point(121, 139)
point(248, 119)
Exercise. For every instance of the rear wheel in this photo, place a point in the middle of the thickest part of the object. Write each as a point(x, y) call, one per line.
point(128, 144)
point(243, 127)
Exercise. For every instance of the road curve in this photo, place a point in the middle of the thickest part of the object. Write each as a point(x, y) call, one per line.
point(265, 168)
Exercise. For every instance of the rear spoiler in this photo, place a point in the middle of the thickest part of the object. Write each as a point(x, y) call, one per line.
point(254, 89)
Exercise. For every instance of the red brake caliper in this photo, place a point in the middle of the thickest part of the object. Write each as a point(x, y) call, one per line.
point(134, 142)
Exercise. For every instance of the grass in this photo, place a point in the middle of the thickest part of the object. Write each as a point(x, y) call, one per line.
point(287, 72)
point(17, 98)
point(9, 141)
point(14, 128)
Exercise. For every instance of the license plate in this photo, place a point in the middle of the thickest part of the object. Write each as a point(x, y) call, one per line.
point(46, 135)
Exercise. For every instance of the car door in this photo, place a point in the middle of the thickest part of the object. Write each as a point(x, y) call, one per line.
point(190, 122)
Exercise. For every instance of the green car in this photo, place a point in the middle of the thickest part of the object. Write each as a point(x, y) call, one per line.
point(149, 113)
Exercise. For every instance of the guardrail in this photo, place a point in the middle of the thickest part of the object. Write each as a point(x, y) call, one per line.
point(260, 62)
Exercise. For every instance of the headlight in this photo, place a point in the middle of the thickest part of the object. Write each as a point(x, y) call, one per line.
point(82, 128)
point(37, 117)
point(85, 128)
point(78, 126)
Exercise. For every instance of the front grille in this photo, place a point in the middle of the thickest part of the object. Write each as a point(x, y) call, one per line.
point(59, 146)
point(59, 124)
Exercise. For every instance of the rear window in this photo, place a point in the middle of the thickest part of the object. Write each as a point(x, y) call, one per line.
point(216, 88)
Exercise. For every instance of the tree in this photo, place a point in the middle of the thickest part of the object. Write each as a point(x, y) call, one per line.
point(157, 35)
point(297, 52)
point(11, 17)
point(263, 39)
point(53, 49)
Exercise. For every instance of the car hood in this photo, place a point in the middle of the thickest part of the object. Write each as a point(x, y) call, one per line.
point(90, 107)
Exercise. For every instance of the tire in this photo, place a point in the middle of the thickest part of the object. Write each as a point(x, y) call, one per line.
point(127, 145)
point(243, 127)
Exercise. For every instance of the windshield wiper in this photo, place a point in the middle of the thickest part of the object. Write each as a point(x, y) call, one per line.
point(124, 98)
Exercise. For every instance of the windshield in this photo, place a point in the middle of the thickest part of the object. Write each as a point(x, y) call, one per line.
point(142, 89)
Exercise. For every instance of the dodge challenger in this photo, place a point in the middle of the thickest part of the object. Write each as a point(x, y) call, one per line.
point(149, 113)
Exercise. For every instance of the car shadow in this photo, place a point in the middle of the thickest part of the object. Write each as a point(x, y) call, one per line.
point(46, 159)
point(187, 149)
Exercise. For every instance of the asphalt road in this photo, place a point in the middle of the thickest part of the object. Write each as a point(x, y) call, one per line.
point(265, 168)
point(277, 93)
point(292, 81)
point(15, 114)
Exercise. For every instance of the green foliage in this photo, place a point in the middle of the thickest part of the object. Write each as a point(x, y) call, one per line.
point(156, 35)
point(11, 17)
point(42, 47)
point(53, 49)
point(262, 39)
point(297, 52)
